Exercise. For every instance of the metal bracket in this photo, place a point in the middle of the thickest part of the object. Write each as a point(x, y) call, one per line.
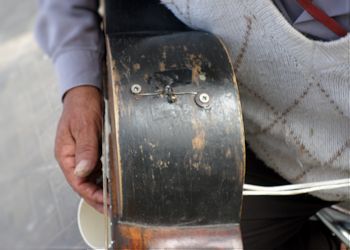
point(136, 89)
point(166, 80)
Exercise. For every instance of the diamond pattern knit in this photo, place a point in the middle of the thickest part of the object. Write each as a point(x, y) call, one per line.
point(295, 92)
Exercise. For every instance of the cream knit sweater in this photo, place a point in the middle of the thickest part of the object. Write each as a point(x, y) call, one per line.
point(295, 92)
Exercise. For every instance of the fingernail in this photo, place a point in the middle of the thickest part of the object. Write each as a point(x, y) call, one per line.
point(81, 169)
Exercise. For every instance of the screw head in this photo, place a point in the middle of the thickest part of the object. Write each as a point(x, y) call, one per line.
point(136, 89)
point(204, 98)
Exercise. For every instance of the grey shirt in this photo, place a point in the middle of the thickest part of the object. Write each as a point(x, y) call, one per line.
point(69, 31)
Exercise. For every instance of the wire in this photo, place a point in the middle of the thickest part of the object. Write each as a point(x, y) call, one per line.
point(293, 192)
point(297, 186)
point(295, 189)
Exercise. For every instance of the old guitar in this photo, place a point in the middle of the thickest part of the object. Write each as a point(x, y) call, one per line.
point(174, 138)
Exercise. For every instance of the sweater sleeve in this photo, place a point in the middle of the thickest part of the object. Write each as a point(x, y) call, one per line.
point(70, 33)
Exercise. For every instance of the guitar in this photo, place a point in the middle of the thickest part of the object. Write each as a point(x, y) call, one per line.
point(174, 141)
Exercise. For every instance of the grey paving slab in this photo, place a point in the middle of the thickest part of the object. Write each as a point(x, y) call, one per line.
point(16, 17)
point(37, 207)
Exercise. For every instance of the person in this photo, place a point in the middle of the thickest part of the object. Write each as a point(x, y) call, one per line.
point(291, 59)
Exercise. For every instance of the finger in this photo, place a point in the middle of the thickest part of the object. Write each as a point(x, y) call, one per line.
point(92, 192)
point(98, 206)
point(85, 187)
point(86, 190)
point(96, 176)
point(87, 151)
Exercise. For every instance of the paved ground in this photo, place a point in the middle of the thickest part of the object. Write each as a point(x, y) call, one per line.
point(38, 209)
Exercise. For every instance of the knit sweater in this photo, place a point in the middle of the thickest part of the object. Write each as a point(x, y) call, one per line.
point(294, 91)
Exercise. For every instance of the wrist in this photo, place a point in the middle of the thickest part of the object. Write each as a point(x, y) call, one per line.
point(85, 96)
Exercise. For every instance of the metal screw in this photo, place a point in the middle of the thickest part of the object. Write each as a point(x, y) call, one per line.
point(204, 98)
point(136, 89)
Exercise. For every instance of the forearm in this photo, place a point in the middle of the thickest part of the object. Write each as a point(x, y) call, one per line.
point(70, 33)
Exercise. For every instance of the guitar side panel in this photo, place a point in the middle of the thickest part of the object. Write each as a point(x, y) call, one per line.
point(177, 163)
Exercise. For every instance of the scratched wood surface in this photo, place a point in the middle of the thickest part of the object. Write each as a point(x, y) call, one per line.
point(176, 161)
point(210, 237)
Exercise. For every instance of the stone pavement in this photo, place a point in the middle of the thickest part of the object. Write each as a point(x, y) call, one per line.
point(37, 207)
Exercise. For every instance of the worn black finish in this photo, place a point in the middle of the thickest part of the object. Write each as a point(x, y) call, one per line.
point(180, 164)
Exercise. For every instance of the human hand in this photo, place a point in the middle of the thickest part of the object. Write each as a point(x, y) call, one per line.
point(78, 142)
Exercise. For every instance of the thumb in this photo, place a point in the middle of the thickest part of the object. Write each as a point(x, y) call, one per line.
point(86, 154)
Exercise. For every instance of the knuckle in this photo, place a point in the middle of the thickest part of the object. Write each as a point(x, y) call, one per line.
point(94, 196)
point(87, 148)
point(85, 193)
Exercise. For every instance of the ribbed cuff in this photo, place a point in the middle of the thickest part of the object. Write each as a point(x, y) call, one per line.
point(77, 68)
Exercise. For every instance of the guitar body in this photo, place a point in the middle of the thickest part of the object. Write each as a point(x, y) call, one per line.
point(176, 144)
